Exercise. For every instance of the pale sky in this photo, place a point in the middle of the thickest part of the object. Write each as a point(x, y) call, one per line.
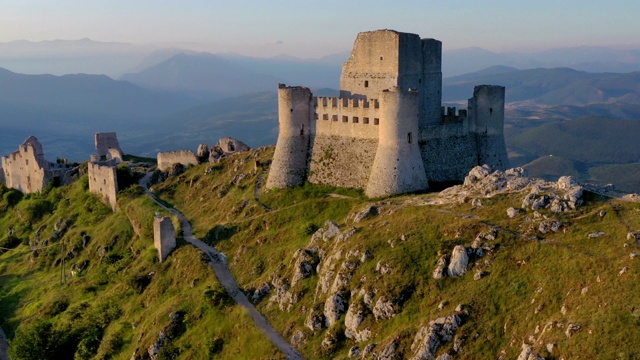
point(316, 28)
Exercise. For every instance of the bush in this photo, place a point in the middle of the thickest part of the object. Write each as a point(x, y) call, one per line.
point(12, 197)
point(9, 242)
point(218, 296)
point(139, 282)
point(32, 210)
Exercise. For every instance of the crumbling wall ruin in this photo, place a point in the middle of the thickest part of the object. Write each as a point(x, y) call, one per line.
point(26, 170)
point(105, 141)
point(168, 158)
point(164, 236)
point(103, 181)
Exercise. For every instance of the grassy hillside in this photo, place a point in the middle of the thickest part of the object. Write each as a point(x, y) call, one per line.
point(115, 298)
point(534, 286)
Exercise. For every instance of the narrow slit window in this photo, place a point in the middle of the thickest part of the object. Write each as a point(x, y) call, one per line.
point(366, 83)
point(409, 138)
point(490, 110)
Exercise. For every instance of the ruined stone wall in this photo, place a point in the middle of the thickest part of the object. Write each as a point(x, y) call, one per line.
point(358, 118)
point(164, 236)
point(168, 158)
point(105, 141)
point(103, 181)
point(26, 170)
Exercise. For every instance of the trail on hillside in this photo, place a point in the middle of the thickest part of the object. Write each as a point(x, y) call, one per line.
point(216, 260)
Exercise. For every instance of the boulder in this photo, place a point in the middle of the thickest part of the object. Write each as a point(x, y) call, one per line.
point(572, 329)
point(314, 321)
point(260, 292)
point(298, 339)
point(432, 336)
point(353, 319)
point(369, 211)
point(334, 307)
point(203, 153)
point(384, 309)
point(459, 261)
point(305, 262)
point(566, 182)
point(528, 354)
point(512, 212)
point(439, 271)
point(354, 351)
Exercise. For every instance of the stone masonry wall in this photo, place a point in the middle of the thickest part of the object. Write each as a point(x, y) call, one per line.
point(341, 161)
point(184, 157)
point(448, 151)
point(164, 236)
point(105, 141)
point(26, 170)
point(103, 181)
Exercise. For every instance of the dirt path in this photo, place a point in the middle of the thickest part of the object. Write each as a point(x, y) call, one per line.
point(217, 262)
point(4, 346)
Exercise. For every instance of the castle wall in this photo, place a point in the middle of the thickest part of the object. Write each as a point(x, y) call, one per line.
point(486, 112)
point(168, 158)
point(105, 141)
point(341, 160)
point(397, 167)
point(431, 89)
point(26, 170)
point(291, 158)
point(448, 151)
point(356, 118)
point(103, 181)
point(164, 236)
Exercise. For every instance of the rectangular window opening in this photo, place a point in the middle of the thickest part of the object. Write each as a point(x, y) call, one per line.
point(376, 121)
point(334, 117)
point(325, 116)
point(345, 118)
point(356, 120)
point(365, 120)
point(366, 83)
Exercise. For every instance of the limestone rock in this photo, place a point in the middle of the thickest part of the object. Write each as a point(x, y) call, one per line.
point(444, 357)
point(439, 271)
point(314, 321)
point(327, 270)
point(345, 273)
point(353, 319)
point(334, 307)
point(436, 333)
point(390, 350)
point(459, 261)
point(479, 275)
point(384, 309)
point(369, 211)
point(548, 226)
point(298, 339)
point(572, 329)
point(528, 354)
point(305, 262)
point(203, 153)
point(566, 182)
point(383, 268)
point(512, 212)
point(260, 292)
point(476, 174)
point(368, 350)
point(596, 234)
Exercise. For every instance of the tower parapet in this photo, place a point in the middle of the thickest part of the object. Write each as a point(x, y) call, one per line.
point(397, 166)
point(291, 158)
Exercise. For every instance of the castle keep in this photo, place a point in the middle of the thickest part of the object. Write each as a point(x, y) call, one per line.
point(387, 132)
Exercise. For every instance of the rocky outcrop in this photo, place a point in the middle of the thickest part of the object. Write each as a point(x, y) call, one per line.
point(355, 316)
point(334, 307)
point(437, 332)
point(528, 354)
point(459, 261)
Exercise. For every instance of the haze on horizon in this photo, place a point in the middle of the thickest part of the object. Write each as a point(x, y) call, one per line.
point(314, 29)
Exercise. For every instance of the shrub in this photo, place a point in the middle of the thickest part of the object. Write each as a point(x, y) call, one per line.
point(218, 296)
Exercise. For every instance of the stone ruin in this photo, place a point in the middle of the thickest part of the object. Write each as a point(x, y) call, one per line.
point(107, 147)
point(102, 171)
point(27, 170)
point(224, 147)
point(164, 236)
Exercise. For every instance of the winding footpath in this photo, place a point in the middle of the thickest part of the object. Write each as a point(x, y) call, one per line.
point(216, 260)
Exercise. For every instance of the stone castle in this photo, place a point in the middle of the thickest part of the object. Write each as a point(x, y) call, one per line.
point(387, 132)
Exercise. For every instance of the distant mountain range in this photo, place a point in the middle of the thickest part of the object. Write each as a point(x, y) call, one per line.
point(61, 57)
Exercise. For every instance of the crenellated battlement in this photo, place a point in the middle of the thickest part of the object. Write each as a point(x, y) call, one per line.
point(452, 115)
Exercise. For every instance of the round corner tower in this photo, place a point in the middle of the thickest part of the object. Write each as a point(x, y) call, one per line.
point(397, 167)
point(290, 160)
